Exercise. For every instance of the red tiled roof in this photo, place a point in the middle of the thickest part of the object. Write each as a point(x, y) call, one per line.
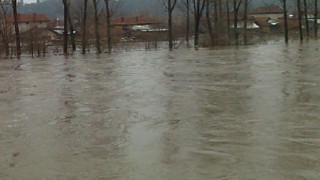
point(267, 10)
point(138, 20)
point(23, 18)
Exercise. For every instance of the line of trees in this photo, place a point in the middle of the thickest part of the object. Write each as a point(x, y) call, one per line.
point(85, 6)
point(224, 16)
point(75, 13)
point(307, 5)
point(219, 17)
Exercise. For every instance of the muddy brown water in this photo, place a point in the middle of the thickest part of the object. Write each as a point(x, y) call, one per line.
point(229, 113)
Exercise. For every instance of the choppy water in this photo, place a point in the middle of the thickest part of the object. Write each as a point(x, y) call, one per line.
point(230, 113)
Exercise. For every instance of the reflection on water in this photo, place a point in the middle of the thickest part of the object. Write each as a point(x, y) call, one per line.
point(230, 113)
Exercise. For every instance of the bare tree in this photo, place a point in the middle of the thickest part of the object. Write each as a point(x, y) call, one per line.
point(65, 28)
point(111, 7)
point(316, 18)
point(236, 7)
point(4, 27)
point(305, 4)
point(228, 20)
point(188, 21)
point(245, 22)
point(198, 6)
point(71, 27)
point(108, 10)
point(96, 26)
point(285, 17)
point(170, 5)
point(185, 9)
point(209, 21)
point(84, 27)
point(300, 20)
point(16, 26)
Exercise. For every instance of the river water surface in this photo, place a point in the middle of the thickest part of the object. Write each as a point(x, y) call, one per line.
point(230, 113)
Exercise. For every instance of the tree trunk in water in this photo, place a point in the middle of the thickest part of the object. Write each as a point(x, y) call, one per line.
point(198, 10)
point(216, 20)
point(96, 26)
point(16, 27)
point(316, 19)
point(306, 17)
point(235, 23)
point(5, 41)
point(84, 27)
point(300, 20)
point(4, 31)
point(285, 16)
point(73, 40)
point(108, 26)
point(65, 28)
point(188, 22)
point(228, 21)
point(5, 44)
point(245, 23)
point(196, 35)
point(170, 35)
point(209, 22)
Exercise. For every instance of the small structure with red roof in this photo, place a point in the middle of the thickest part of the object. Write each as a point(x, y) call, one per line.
point(272, 12)
point(29, 21)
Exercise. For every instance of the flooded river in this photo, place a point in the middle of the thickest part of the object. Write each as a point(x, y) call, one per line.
point(228, 113)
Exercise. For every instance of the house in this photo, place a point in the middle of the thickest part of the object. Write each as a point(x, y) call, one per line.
point(135, 23)
point(40, 34)
point(126, 26)
point(251, 24)
point(29, 21)
point(267, 25)
point(271, 11)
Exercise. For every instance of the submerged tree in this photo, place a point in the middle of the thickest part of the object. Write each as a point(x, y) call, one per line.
point(209, 21)
point(316, 18)
point(228, 20)
point(186, 10)
point(300, 20)
point(236, 8)
point(245, 22)
point(96, 26)
point(108, 11)
point(305, 4)
point(65, 28)
point(170, 5)
point(71, 28)
point(84, 27)
point(285, 17)
point(4, 28)
point(198, 7)
point(16, 26)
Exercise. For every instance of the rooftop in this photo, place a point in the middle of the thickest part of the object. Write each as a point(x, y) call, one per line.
point(24, 18)
point(267, 10)
point(138, 20)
